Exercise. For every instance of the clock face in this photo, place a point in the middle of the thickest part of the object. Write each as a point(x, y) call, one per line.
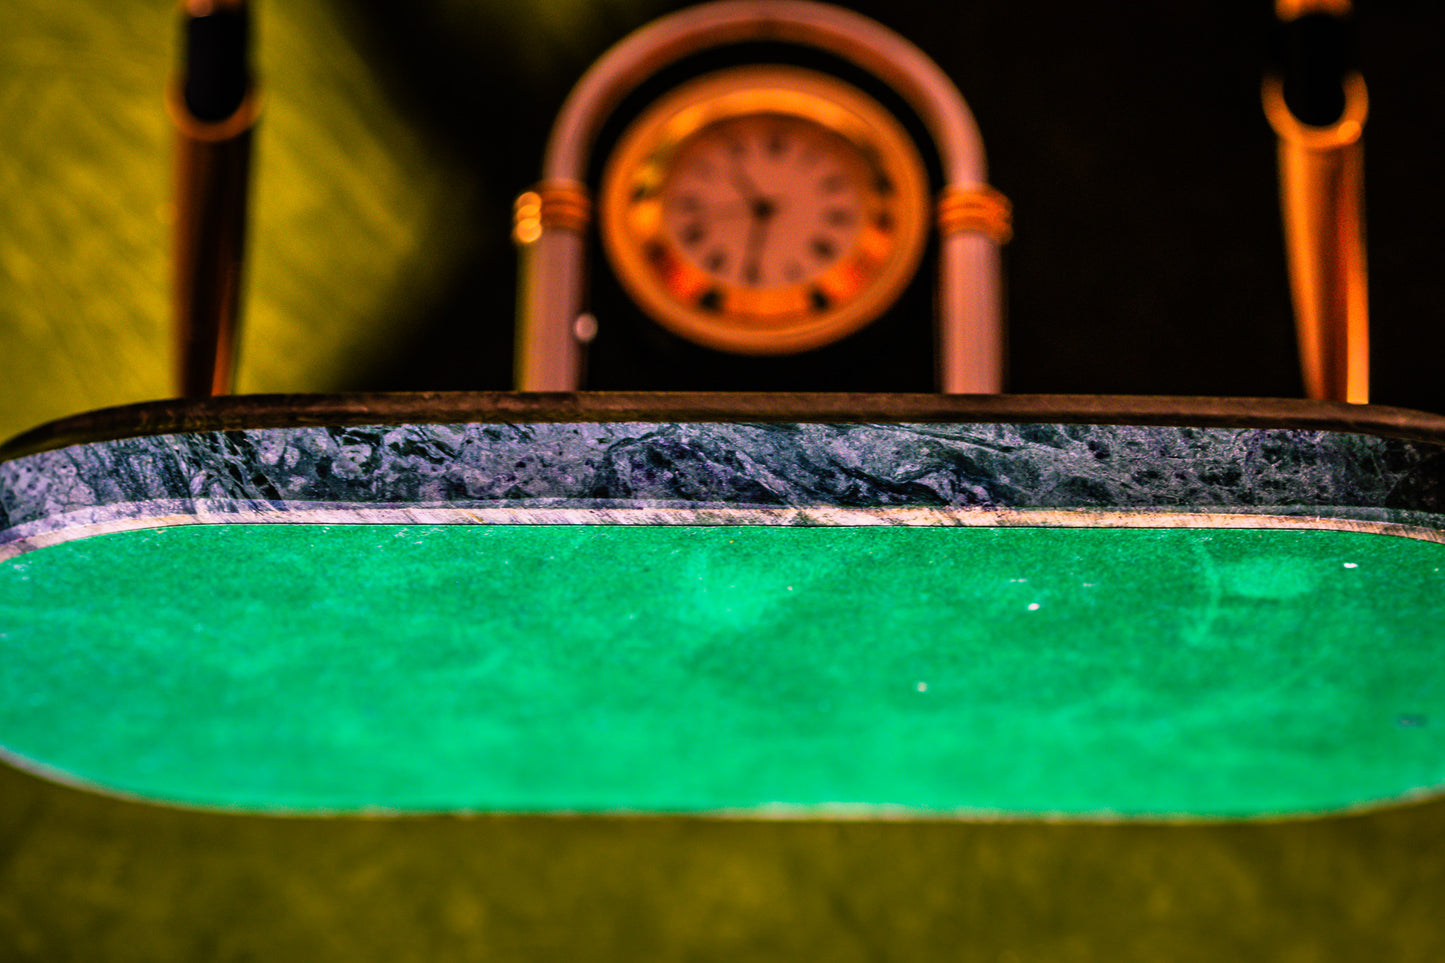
point(764, 210)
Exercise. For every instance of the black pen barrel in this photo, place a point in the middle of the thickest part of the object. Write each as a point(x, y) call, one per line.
point(214, 106)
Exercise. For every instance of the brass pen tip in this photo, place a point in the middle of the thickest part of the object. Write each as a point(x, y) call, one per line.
point(217, 75)
point(1294, 9)
point(205, 8)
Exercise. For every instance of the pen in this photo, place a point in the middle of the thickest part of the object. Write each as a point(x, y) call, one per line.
point(1317, 105)
point(214, 106)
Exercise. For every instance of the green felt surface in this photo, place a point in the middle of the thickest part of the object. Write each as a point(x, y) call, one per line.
point(1079, 671)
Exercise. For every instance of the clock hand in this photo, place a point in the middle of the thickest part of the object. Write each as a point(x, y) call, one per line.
point(757, 238)
point(729, 211)
point(744, 183)
point(761, 208)
point(762, 211)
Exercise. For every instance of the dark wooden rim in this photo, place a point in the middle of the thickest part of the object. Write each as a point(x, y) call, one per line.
point(237, 412)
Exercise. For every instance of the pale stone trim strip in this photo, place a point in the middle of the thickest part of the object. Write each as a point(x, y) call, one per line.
point(823, 516)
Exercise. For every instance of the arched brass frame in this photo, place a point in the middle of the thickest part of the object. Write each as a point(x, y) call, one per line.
point(552, 218)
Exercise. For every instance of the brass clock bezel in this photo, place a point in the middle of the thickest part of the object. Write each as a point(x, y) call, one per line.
point(860, 284)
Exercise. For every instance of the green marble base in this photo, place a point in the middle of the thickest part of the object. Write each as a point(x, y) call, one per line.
point(731, 668)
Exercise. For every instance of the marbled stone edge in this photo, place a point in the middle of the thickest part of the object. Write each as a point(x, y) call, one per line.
point(592, 468)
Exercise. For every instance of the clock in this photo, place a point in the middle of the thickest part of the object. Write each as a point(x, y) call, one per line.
point(764, 210)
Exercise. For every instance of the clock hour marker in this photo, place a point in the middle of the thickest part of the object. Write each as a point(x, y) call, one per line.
point(775, 143)
point(752, 273)
point(832, 184)
point(819, 299)
point(693, 234)
point(884, 222)
point(710, 300)
point(839, 216)
point(823, 247)
point(715, 261)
